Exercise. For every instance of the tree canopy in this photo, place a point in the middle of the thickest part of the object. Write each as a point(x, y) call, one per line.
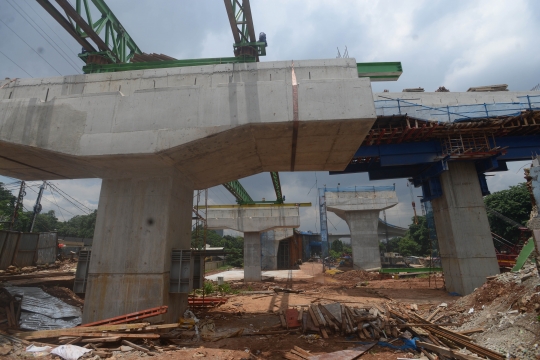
point(514, 203)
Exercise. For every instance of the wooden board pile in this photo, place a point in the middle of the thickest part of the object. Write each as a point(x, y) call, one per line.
point(102, 339)
point(372, 323)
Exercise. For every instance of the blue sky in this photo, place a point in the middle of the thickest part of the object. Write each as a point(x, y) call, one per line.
point(457, 44)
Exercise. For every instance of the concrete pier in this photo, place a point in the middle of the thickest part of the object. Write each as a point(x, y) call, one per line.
point(269, 246)
point(360, 207)
point(463, 231)
point(140, 220)
point(252, 221)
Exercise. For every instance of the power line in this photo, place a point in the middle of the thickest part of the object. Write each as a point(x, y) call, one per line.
point(27, 73)
point(40, 34)
point(60, 191)
point(56, 204)
point(54, 198)
point(30, 47)
point(45, 22)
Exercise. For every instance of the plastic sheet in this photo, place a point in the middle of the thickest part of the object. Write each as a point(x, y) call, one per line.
point(70, 352)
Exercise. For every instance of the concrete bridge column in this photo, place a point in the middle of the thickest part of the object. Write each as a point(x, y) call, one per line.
point(252, 221)
point(140, 220)
point(364, 238)
point(252, 256)
point(360, 206)
point(270, 246)
point(463, 232)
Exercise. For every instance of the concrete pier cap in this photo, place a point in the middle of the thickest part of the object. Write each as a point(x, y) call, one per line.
point(156, 135)
point(360, 206)
point(253, 221)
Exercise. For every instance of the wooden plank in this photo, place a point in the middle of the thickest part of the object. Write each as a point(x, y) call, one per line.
point(344, 354)
point(313, 318)
point(299, 354)
point(74, 341)
point(302, 351)
point(162, 326)
point(471, 331)
point(445, 351)
point(43, 334)
point(121, 335)
point(136, 347)
point(324, 333)
point(290, 356)
point(101, 340)
point(433, 314)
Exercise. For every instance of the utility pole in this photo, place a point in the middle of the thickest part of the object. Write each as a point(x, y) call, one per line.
point(37, 206)
point(386, 229)
point(22, 193)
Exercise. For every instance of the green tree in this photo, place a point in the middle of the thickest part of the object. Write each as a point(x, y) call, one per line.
point(81, 226)
point(7, 205)
point(408, 247)
point(514, 203)
point(419, 233)
point(337, 246)
point(45, 222)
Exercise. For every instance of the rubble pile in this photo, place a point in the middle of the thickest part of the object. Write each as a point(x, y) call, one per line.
point(507, 309)
point(358, 275)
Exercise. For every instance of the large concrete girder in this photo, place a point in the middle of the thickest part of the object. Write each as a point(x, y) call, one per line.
point(238, 120)
point(463, 232)
point(360, 209)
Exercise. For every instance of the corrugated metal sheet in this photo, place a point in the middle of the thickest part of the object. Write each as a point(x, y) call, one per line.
point(10, 245)
point(3, 237)
point(46, 248)
point(26, 250)
point(38, 301)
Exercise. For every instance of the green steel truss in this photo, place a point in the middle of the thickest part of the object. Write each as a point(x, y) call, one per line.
point(277, 187)
point(243, 198)
point(99, 68)
point(241, 21)
point(114, 44)
point(238, 191)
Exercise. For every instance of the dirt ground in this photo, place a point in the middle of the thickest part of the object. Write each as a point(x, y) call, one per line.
point(255, 312)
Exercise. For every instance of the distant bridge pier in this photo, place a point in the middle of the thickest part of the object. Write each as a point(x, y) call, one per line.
point(270, 244)
point(360, 207)
point(465, 241)
point(252, 220)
